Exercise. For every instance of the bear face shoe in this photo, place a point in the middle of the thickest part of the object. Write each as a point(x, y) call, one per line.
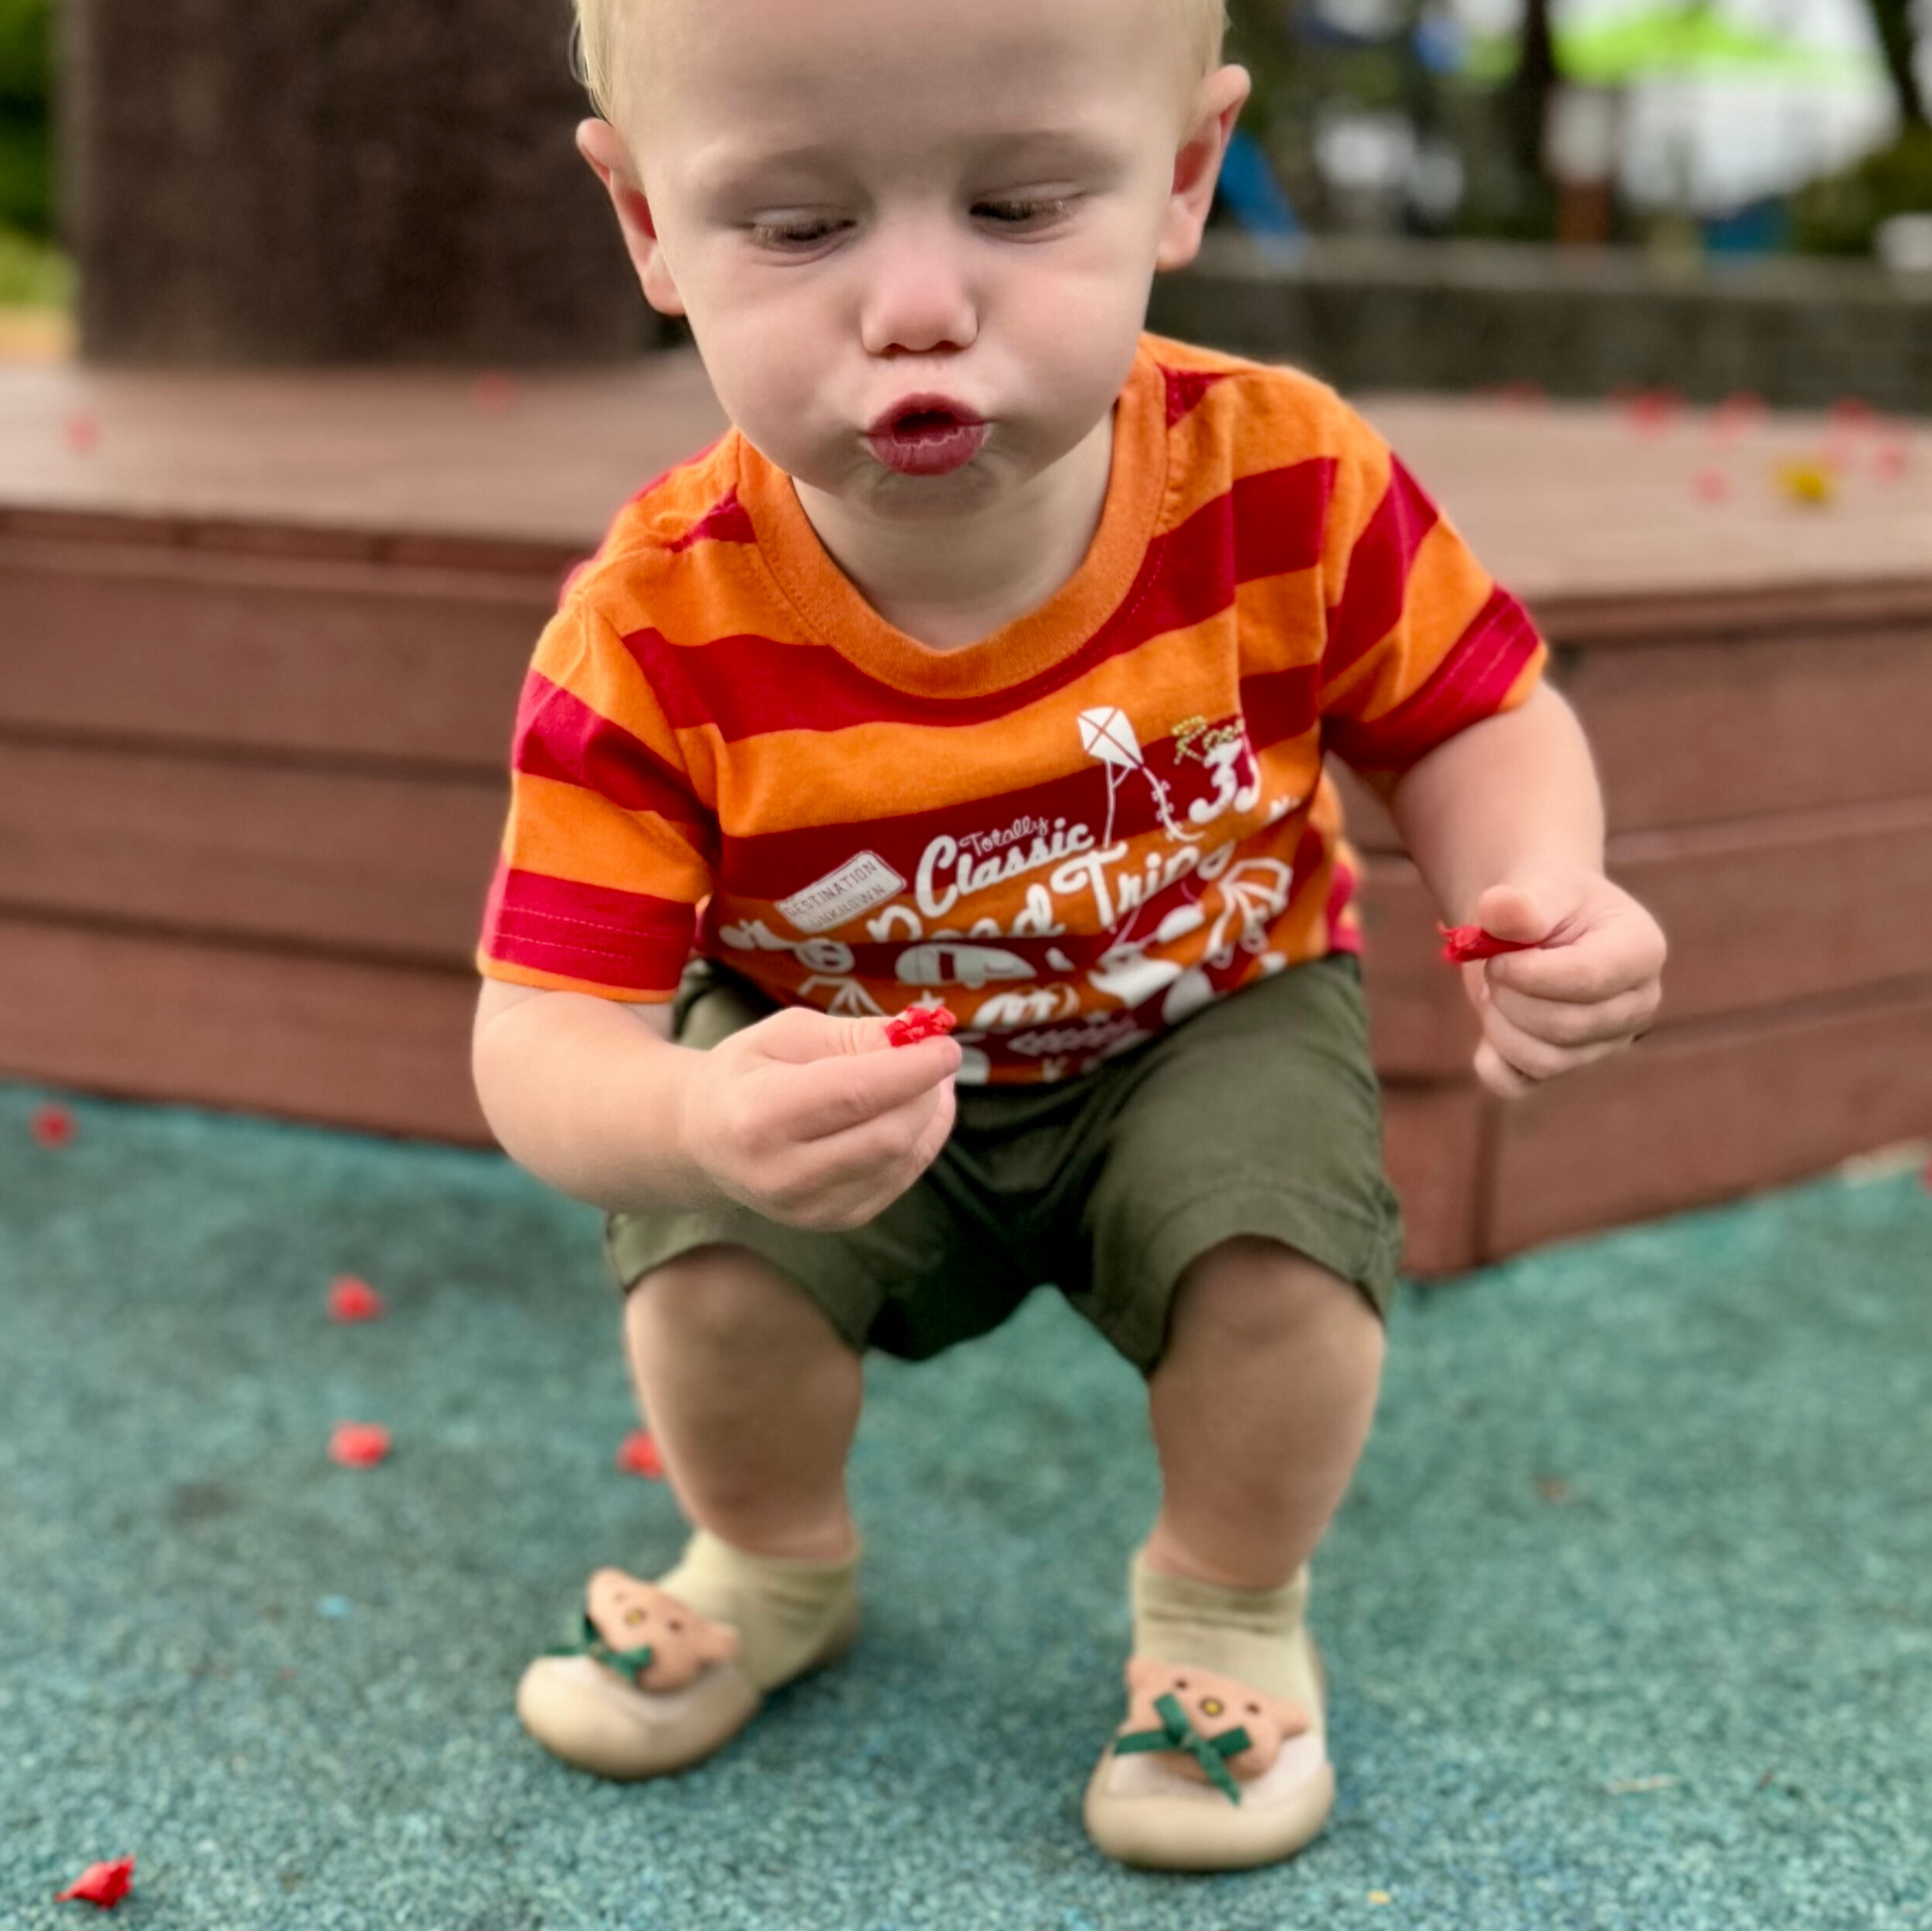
point(1208, 1773)
point(652, 1686)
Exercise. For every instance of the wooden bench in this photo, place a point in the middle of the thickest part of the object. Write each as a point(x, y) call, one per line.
point(261, 636)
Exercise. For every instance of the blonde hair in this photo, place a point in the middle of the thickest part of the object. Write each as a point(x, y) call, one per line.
point(596, 41)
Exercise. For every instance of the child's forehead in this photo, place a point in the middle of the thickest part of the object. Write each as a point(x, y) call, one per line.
point(1005, 65)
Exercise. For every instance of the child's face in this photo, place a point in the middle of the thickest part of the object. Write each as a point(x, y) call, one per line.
point(859, 202)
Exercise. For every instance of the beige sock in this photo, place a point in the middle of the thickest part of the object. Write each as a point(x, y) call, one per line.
point(784, 1609)
point(1251, 1635)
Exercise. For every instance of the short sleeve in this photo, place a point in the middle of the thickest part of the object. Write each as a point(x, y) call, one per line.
point(609, 851)
point(1421, 641)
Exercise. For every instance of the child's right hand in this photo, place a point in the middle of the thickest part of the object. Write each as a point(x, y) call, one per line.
point(815, 1121)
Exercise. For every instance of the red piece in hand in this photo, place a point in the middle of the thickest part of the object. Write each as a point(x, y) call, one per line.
point(358, 1444)
point(51, 1126)
point(354, 1299)
point(101, 1884)
point(1464, 943)
point(919, 1023)
point(639, 1457)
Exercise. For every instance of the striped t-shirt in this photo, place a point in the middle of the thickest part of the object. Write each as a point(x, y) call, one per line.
point(1074, 832)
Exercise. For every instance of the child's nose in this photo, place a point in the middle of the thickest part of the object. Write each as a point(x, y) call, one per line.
point(917, 294)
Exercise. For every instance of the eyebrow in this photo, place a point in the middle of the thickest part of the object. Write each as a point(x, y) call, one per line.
point(729, 168)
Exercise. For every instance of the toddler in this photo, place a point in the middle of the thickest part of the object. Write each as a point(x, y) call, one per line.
point(991, 660)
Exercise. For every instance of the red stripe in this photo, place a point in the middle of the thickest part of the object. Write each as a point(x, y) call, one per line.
point(1186, 387)
point(1377, 584)
point(558, 735)
point(772, 865)
point(1280, 704)
point(726, 521)
point(627, 939)
point(1341, 891)
point(749, 685)
point(1467, 687)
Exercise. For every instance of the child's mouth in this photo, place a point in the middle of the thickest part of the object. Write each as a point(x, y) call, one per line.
point(926, 437)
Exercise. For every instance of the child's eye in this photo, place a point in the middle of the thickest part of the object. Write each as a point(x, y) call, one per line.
point(791, 234)
point(785, 235)
point(1015, 213)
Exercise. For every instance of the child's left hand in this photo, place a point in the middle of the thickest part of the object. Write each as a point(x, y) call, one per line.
point(1590, 989)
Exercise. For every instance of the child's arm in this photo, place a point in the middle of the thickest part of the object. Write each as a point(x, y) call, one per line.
point(1506, 824)
point(808, 1120)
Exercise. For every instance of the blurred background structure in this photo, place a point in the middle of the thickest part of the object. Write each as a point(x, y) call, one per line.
point(320, 362)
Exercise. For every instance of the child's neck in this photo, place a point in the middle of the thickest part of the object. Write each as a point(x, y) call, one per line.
point(948, 585)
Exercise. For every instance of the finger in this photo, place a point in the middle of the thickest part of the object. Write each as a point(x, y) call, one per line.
point(852, 1177)
point(1524, 913)
point(1498, 1075)
point(1568, 1022)
point(801, 1035)
point(1538, 1059)
point(877, 1145)
point(1618, 955)
point(832, 1096)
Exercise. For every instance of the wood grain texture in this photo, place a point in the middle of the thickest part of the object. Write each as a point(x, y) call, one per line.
point(315, 657)
point(1709, 1113)
point(1758, 913)
point(146, 1015)
point(1432, 1147)
point(340, 861)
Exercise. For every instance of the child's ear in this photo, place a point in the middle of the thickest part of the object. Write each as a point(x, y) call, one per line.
point(603, 147)
point(1197, 165)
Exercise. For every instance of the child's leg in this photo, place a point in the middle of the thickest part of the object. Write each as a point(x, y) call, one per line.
point(754, 1399)
point(1260, 1406)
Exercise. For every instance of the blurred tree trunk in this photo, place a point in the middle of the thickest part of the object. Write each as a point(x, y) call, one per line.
point(1527, 105)
point(309, 181)
point(1893, 20)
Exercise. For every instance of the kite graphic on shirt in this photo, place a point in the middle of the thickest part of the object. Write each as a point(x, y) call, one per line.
point(1110, 740)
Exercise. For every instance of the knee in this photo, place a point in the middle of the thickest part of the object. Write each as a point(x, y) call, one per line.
point(722, 1298)
point(1254, 1292)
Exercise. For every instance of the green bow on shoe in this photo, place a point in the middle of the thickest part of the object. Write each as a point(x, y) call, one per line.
point(629, 1663)
point(1181, 1734)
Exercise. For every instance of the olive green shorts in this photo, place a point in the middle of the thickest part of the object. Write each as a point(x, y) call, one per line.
point(1257, 1115)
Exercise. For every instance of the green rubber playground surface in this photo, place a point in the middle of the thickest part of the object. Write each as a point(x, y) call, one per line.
point(1628, 1613)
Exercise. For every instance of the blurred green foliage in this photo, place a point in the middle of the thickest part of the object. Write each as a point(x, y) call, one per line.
point(1837, 215)
point(26, 78)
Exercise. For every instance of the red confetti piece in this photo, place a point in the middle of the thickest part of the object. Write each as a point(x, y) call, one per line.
point(639, 1455)
point(354, 1299)
point(358, 1444)
point(104, 1884)
point(1891, 460)
point(1652, 411)
point(1464, 943)
point(1522, 394)
point(919, 1023)
point(1851, 412)
point(1712, 485)
point(51, 1126)
point(83, 433)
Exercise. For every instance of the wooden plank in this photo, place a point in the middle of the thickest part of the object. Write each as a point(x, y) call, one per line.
point(1566, 504)
point(311, 656)
point(342, 861)
point(1761, 913)
point(1687, 732)
point(1710, 1113)
point(1684, 733)
point(545, 455)
point(1432, 1148)
point(142, 1015)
